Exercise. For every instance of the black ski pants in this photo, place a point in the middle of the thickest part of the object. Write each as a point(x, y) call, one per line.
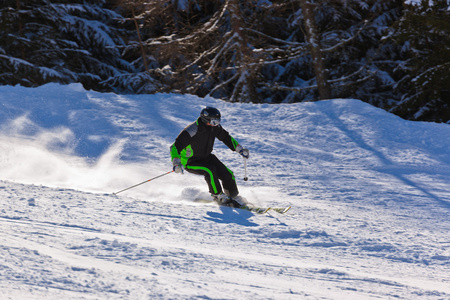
point(214, 170)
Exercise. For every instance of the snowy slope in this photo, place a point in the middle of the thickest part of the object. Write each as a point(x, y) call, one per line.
point(370, 195)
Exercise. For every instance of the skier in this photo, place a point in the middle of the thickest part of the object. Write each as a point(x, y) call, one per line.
point(192, 151)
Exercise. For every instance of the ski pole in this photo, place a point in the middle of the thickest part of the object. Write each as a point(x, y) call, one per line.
point(142, 183)
point(245, 169)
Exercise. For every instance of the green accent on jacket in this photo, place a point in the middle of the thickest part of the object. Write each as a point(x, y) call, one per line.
point(184, 156)
point(235, 143)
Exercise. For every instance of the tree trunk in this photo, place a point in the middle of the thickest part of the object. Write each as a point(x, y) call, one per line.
point(244, 90)
point(22, 50)
point(144, 56)
point(312, 34)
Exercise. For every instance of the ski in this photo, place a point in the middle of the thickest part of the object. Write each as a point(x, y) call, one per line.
point(258, 210)
point(263, 210)
point(281, 210)
point(255, 209)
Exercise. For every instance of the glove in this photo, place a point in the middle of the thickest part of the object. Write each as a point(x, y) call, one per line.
point(242, 151)
point(177, 166)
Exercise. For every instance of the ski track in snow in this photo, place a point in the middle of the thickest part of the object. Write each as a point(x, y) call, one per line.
point(370, 216)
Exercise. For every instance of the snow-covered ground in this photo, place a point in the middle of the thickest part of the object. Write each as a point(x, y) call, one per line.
point(370, 195)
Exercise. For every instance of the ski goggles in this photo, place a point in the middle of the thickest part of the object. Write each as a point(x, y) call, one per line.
point(214, 122)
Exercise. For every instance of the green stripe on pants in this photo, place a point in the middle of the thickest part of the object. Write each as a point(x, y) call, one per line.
point(213, 184)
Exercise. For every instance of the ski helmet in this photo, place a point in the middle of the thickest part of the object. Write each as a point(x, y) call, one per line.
point(210, 115)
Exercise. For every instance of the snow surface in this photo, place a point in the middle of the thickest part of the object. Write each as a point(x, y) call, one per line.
point(370, 196)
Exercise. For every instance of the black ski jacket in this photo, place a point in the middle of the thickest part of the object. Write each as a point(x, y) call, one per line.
point(196, 142)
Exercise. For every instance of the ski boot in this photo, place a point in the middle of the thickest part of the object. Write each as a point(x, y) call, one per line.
point(223, 199)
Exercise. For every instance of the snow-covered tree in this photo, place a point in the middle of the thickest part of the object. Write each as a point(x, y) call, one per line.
point(203, 46)
point(345, 49)
point(423, 33)
point(61, 41)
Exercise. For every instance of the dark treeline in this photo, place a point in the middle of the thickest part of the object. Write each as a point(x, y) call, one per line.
point(392, 54)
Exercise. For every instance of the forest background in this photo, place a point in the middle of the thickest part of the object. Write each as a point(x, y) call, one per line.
point(391, 54)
